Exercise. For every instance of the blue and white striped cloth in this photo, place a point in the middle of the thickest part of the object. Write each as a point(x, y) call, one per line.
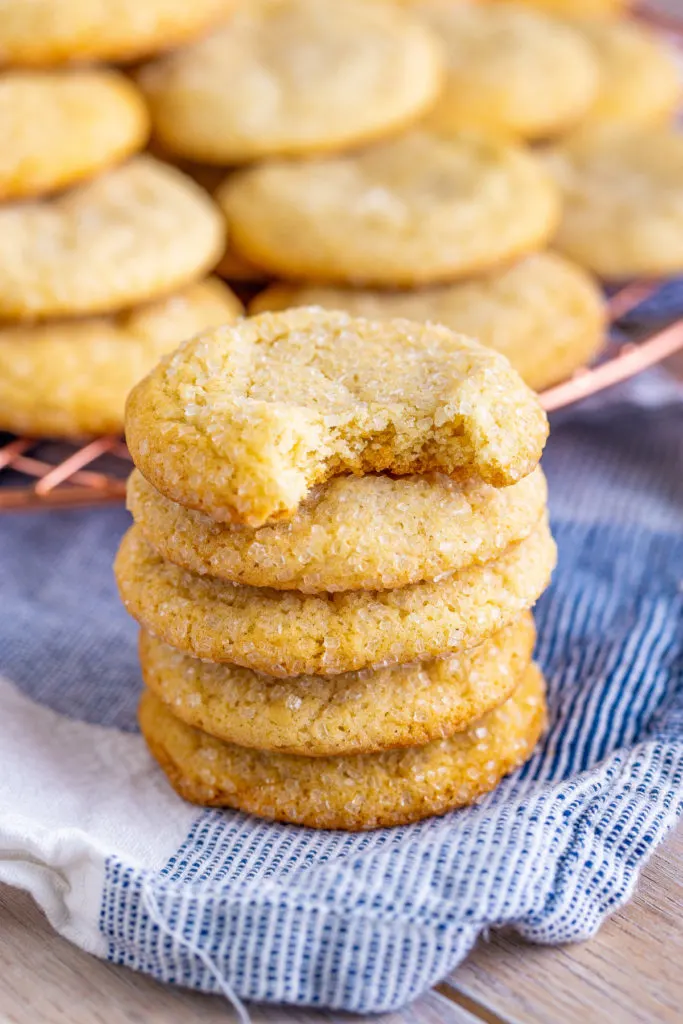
point(226, 903)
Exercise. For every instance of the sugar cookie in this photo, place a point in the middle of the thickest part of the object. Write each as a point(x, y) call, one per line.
point(355, 792)
point(317, 716)
point(544, 313)
point(640, 80)
point(71, 377)
point(576, 8)
point(511, 72)
point(623, 210)
point(371, 532)
point(415, 210)
point(242, 422)
point(128, 236)
point(285, 633)
point(40, 32)
point(286, 77)
point(58, 127)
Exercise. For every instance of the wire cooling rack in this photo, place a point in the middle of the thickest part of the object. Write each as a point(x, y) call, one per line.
point(57, 474)
point(50, 474)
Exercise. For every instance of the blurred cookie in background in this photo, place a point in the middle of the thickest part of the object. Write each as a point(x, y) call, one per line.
point(70, 378)
point(623, 202)
point(578, 8)
point(640, 80)
point(544, 313)
point(285, 77)
point(510, 72)
point(128, 236)
point(232, 267)
point(38, 33)
point(413, 210)
point(58, 127)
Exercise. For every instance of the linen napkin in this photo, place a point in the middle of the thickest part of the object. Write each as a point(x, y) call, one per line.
point(223, 902)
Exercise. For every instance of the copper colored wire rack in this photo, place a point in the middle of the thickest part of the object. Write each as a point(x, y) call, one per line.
point(59, 474)
point(41, 474)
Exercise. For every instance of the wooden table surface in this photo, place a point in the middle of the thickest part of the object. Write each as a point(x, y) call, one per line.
point(630, 973)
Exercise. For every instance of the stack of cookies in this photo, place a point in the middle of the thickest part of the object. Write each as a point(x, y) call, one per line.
point(340, 528)
point(103, 250)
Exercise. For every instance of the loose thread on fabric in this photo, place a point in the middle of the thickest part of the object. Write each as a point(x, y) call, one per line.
point(156, 915)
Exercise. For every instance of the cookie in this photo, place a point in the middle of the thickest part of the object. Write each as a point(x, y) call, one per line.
point(128, 236)
point(320, 716)
point(576, 8)
point(640, 82)
point(36, 33)
point(544, 313)
point(58, 127)
point(291, 77)
point(371, 532)
point(70, 378)
point(285, 633)
point(359, 791)
point(241, 423)
point(511, 72)
point(623, 209)
point(415, 210)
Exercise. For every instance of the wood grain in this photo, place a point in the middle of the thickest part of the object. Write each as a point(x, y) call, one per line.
point(46, 980)
point(631, 972)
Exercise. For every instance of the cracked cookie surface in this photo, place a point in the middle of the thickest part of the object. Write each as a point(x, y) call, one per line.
point(358, 791)
point(317, 716)
point(240, 423)
point(286, 633)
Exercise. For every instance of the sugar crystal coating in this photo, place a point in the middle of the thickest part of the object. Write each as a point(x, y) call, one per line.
point(356, 791)
point(407, 705)
point(371, 532)
point(240, 423)
point(286, 633)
